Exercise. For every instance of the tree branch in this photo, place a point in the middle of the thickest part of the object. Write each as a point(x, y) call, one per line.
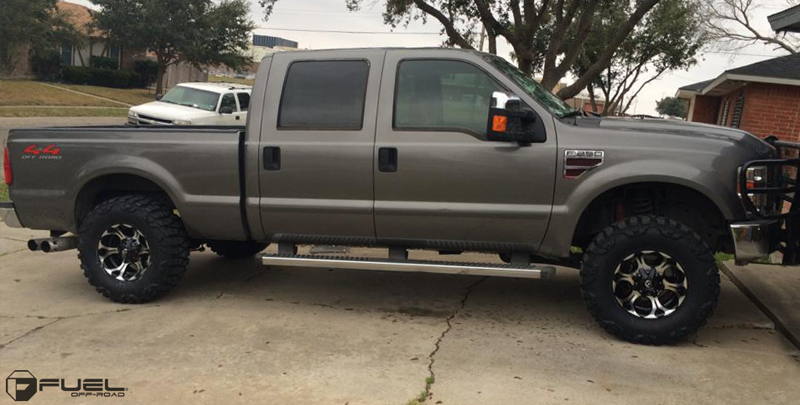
point(605, 57)
point(449, 28)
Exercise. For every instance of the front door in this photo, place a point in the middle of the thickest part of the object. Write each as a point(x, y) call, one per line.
point(316, 147)
point(449, 187)
point(228, 100)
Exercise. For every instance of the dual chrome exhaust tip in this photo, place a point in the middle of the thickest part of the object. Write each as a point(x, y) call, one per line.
point(48, 245)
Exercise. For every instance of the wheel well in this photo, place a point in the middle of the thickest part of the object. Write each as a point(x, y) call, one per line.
point(680, 203)
point(113, 185)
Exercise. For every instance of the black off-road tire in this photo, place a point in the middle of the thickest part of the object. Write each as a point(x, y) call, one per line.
point(614, 244)
point(166, 236)
point(232, 249)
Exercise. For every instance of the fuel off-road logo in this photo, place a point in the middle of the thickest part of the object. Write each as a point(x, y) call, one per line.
point(45, 152)
point(21, 385)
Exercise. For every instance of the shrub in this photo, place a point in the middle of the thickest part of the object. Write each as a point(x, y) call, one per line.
point(147, 71)
point(100, 77)
point(77, 74)
point(46, 64)
point(102, 62)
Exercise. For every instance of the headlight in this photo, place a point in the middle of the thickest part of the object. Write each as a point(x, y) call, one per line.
point(182, 122)
point(756, 177)
point(132, 114)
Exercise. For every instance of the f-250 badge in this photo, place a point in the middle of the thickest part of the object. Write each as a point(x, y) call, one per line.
point(47, 152)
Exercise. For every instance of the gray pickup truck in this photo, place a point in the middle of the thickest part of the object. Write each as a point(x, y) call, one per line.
point(438, 149)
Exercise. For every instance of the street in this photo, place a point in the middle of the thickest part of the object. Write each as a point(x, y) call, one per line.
point(237, 332)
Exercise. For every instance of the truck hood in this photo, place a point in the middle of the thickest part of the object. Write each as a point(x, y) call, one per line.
point(169, 111)
point(695, 130)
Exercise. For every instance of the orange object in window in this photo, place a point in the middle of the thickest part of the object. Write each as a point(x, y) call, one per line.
point(499, 123)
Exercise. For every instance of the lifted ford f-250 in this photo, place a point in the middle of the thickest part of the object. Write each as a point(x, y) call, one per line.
point(438, 149)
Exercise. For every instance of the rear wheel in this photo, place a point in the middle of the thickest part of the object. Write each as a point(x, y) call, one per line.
point(133, 249)
point(649, 280)
point(231, 249)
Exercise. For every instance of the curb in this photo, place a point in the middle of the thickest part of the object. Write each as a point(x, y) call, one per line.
point(780, 324)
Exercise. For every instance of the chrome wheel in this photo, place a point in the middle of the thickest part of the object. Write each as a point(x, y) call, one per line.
point(123, 252)
point(650, 284)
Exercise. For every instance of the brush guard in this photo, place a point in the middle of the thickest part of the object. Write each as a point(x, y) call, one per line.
point(782, 210)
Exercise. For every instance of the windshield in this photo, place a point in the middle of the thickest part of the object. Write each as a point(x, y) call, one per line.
point(204, 100)
point(533, 88)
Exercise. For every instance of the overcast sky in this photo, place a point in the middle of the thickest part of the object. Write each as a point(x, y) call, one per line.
point(333, 15)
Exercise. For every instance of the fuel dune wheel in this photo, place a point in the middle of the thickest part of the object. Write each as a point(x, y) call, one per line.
point(133, 249)
point(649, 280)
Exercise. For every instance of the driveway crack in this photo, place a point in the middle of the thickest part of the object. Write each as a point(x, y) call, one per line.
point(40, 327)
point(431, 379)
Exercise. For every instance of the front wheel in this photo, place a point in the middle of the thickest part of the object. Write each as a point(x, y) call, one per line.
point(133, 249)
point(649, 280)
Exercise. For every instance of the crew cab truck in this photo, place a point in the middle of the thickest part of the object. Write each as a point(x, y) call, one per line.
point(438, 149)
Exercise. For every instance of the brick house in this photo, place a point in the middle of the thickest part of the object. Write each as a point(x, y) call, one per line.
point(94, 44)
point(762, 98)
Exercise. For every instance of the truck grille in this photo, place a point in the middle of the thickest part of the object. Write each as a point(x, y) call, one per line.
point(146, 120)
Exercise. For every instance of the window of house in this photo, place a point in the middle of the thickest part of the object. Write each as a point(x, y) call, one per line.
point(324, 95)
point(66, 54)
point(228, 100)
point(724, 113)
point(114, 53)
point(737, 111)
point(244, 101)
point(444, 95)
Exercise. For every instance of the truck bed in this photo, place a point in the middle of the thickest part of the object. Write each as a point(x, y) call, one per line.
point(57, 170)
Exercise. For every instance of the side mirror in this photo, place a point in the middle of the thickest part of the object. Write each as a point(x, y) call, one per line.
point(226, 110)
point(508, 121)
point(159, 96)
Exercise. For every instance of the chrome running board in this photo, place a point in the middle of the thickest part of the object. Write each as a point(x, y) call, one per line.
point(420, 266)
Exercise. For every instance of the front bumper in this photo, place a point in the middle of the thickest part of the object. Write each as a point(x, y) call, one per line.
point(754, 239)
point(9, 215)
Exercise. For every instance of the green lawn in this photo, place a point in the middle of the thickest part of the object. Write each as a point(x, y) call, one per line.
point(129, 96)
point(4, 192)
point(28, 92)
point(215, 79)
point(34, 111)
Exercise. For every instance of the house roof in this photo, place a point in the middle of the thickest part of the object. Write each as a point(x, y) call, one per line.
point(696, 86)
point(784, 67)
point(781, 70)
point(80, 16)
point(786, 21)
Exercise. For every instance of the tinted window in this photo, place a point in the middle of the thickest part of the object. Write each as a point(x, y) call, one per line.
point(244, 101)
point(324, 95)
point(228, 101)
point(443, 94)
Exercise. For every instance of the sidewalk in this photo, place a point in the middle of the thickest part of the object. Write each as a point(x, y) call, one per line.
point(775, 290)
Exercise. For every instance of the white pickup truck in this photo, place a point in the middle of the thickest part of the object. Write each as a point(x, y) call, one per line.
point(195, 104)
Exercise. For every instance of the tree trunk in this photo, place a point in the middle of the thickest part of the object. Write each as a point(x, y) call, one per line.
point(492, 43)
point(592, 98)
point(162, 66)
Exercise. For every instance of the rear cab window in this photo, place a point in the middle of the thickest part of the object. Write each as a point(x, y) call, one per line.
point(244, 101)
point(324, 95)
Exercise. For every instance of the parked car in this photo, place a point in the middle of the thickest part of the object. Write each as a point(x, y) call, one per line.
point(439, 149)
point(195, 104)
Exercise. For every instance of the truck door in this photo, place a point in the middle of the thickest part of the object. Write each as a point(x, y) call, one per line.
point(317, 139)
point(228, 110)
point(438, 181)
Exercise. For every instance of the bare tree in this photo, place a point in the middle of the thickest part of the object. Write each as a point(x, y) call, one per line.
point(730, 23)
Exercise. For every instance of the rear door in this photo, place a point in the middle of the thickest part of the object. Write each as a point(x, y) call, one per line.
point(317, 139)
point(449, 187)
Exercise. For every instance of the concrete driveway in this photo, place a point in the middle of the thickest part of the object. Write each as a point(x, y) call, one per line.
point(237, 332)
